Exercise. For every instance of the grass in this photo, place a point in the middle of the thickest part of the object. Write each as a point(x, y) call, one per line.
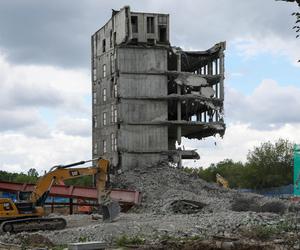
point(262, 232)
point(126, 240)
point(59, 247)
point(266, 232)
point(82, 239)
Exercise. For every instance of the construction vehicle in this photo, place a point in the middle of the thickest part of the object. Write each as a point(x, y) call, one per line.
point(28, 214)
point(222, 181)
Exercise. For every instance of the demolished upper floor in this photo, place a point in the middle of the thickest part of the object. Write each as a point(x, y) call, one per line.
point(126, 27)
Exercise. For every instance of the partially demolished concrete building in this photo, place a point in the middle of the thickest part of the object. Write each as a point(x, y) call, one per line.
point(148, 94)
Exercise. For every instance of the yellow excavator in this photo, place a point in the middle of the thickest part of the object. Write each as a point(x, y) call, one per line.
point(222, 181)
point(28, 214)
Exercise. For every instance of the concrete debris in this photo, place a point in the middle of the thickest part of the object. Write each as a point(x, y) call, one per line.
point(191, 80)
point(252, 204)
point(163, 184)
point(186, 206)
point(87, 245)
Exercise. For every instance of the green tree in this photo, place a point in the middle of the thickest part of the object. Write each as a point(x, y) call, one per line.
point(270, 165)
point(84, 181)
point(230, 170)
point(32, 172)
point(297, 15)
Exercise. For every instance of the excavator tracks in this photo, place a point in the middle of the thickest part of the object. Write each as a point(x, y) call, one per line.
point(33, 224)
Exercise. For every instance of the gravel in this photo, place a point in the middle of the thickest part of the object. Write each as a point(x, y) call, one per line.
point(151, 226)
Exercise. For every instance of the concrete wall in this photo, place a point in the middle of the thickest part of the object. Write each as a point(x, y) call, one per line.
point(141, 75)
point(142, 35)
point(131, 161)
point(137, 138)
point(135, 111)
point(142, 60)
point(103, 132)
point(142, 85)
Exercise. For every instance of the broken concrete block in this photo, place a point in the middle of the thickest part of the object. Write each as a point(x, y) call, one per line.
point(93, 245)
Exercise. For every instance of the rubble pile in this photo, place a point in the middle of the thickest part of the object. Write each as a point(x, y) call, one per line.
point(162, 185)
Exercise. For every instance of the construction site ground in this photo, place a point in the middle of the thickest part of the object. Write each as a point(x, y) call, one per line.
point(178, 211)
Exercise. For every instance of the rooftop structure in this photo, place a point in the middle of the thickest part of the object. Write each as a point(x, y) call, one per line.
point(147, 94)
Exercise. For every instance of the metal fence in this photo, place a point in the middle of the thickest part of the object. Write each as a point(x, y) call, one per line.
point(283, 191)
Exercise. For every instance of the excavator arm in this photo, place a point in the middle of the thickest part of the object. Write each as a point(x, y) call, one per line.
point(222, 181)
point(58, 174)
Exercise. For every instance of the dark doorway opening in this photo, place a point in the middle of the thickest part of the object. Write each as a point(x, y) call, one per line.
point(162, 34)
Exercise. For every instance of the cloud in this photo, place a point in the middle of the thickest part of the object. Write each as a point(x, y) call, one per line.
point(75, 126)
point(42, 86)
point(44, 116)
point(274, 45)
point(11, 120)
point(58, 32)
point(270, 106)
point(26, 90)
point(19, 152)
point(238, 140)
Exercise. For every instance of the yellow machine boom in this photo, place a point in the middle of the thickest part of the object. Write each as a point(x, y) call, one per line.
point(27, 215)
point(222, 181)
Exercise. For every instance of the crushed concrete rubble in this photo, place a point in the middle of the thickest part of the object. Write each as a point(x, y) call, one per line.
point(162, 185)
point(174, 204)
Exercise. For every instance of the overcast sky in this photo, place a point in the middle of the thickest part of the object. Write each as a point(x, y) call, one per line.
point(45, 96)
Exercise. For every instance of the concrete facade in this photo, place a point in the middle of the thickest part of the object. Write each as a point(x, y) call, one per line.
point(147, 94)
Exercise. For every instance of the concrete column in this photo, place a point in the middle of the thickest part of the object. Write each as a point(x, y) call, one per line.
point(210, 69)
point(179, 165)
point(179, 102)
point(222, 76)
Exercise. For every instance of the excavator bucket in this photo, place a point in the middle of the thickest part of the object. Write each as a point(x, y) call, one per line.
point(110, 210)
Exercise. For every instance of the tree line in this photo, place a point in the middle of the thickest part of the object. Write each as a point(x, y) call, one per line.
point(32, 176)
point(267, 165)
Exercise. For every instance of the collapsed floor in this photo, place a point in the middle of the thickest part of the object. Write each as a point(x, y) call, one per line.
point(176, 204)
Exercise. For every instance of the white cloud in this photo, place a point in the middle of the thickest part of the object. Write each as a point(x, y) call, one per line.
point(238, 140)
point(25, 90)
point(270, 105)
point(27, 138)
point(20, 152)
point(75, 126)
point(59, 33)
point(254, 26)
point(271, 44)
point(42, 86)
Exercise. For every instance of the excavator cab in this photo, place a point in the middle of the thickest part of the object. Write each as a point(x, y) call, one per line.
point(24, 195)
point(24, 204)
